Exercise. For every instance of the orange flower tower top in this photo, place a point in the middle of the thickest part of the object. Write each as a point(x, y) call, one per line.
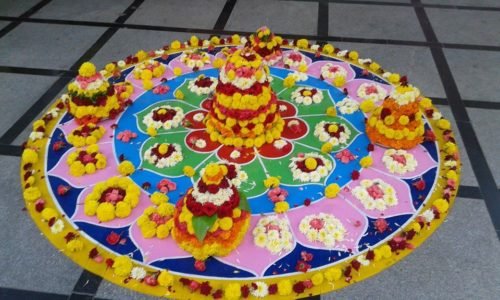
point(244, 111)
point(397, 123)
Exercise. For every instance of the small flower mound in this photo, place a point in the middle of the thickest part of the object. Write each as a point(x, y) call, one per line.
point(113, 198)
point(310, 167)
point(203, 85)
point(399, 161)
point(348, 106)
point(331, 72)
point(371, 91)
point(164, 155)
point(273, 233)
point(87, 134)
point(332, 132)
point(375, 194)
point(307, 96)
point(323, 228)
point(164, 116)
point(294, 60)
point(157, 221)
point(195, 59)
point(86, 161)
point(148, 70)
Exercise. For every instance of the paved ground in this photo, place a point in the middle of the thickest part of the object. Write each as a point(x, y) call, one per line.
point(449, 48)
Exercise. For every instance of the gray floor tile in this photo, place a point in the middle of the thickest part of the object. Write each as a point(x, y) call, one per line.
point(487, 125)
point(372, 21)
point(89, 10)
point(281, 16)
point(178, 13)
point(467, 175)
point(27, 259)
point(396, 1)
point(108, 290)
point(460, 261)
point(129, 41)
point(15, 8)
point(465, 26)
point(486, 3)
point(3, 24)
point(415, 62)
point(476, 73)
point(16, 98)
point(46, 45)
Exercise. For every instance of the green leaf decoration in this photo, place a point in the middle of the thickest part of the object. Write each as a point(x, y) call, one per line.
point(244, 203)
point(201, 225)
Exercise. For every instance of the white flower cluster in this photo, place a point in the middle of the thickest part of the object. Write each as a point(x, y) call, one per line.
point(371, 91)
point(241, 176)
point(261, 289)
point(365, 193)
point(195, 59)
point(243, 83)
point(173, 123)
point(202, 90)
point(200, 143)
point(348, 106)
point(299, 76)
point(406, 97)
point(294, 63)
point(217, 199)
point(323, 228)
point(324, 136)
point(273, 233)
point(330, 71)
point(396, 166)
point(315, 175)
point(198, 117)
point(304, 95)
point(164, 162)
point(279, 144)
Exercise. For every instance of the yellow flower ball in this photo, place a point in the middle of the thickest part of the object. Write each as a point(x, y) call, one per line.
point(87, 69)
point(29, 156)
point(162, 231)
point(281, 207)
point(441, 205)
point(49, 213)
point(385, 251)
point(444, 124)
point(175, 45)
point(215, 40)
point(123, 209)
point(75, 245)
point(404, 120)
point(122, 265)
point(189, 171)
point(354, 55)
point(179, 94)
point(389, 120)
point(193, 41)
point(302, 68)
point(271, 182)
point(366, 161)
point(303, 43)
point(333, 274)
point(236, 213)
point(166, 209)
point(339, 81)
point(232, 291)
point(311, 163)
point(226, 223)
point(284, 287)
point(415, 226)
point(147, 84)
point(327, 147)
point(218, 63)
point(317, 279)
point(165, 279)
point(110, 67)
point(394, 78)
point(367, 106)
point(450, 148)
point(177, 71)
point(235, 39)
point(126, 168)
point(31, 194)
point(374, 66)
point(332, 190)
point(151, 131)
point(90, 168)
point(141, 55)
point(425, 103)
point(289, 81)
point(452, 175)
point(105, 212)
point(90, 208)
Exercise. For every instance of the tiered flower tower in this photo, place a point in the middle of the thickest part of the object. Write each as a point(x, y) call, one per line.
point(397, 123)
point(244, 110)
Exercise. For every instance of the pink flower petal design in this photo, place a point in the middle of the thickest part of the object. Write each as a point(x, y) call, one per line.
point(294, 128)
point(154, 249)
point(80, 215)
point(195, 135)
point(270, 151)
point(423, 158)
point(242, 257)
point(286, 109)
point(61, 169)
point(315, 68)
point(247, 155)
point(280, 64)
point(176, 62)
point(353, 85)
point(353, 221)
point(403, 194)
point(71, 125)
point(156, 81)
point(192, 123)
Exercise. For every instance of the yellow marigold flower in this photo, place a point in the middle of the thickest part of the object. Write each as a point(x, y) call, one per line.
point(367, 106)
point(366, 161)
point(328, 49)
point(236, 213)
point(126, 168)
point(450, 148)
point(327, 147)
point(311, 163)
point(165, 279)
point(49, 213)
point(332, 190)
point(394, 78)
point(303, 43)
point(317, 279)
point(415, 226)
point(177, 71)
point(151, 131)
point(441, 205)
point(354, 55)
point(444, 124)
point(215, 40)
point(110, 67)
point(333, 274)
point(179, 94)
point(226, 223)
point(75, 245)
point(146, 74)
point(31, 194)
point(141, 55)
point(90, 208)
point(147, 84)
point(452, 175)
point(271, 182)
point(339, 81)
point(193, 41)
point(87, 69)
point(385, 251)
point(235, 38)
point(284, 287)
point(162, 231)
point(175, 45)
point(158, 198)
point(29, 156)
point(232, 291)
point(218, 63)
point(302, 68)
point(404, 120)
point(281, 207)
point(374, 66)
point(105, 212)
point(425, 103)
point(122, 265)
point(289, 81)
point(188, 171)
point(123, 209)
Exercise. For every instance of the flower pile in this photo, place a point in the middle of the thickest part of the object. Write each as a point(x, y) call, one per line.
point(86, 161)
point(195, 59)
point(294, 59)
point(113, 198)
point(375, 194)
point(164, 155)
point(86, 134)
point(399, 161)
point(371, 91)
point(203, 85)
point(164, 116)
point(333, 133)
point(273, 233)
point(347, 106)
point(157, 221)
point(323, 228)
point(307, 96)
point(147, 70)
point(332, 71)
point(310, 167)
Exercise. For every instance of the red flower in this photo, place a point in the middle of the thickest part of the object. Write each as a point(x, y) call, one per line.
point(299, 287)
point(429, 136)
point(245, 291)
point(58, 145)
point(420, 184)
point(355, 175)
point(113, 238)
point(272, 289)
point(308, 283)
point(209, 209)
point(381, 225)
point(151, 280)
point(217, 294)
point(39, 205)
point(205, 288)
point(302, 266)
point(194, 285)
point(307, 202)
point(200, 266)
point(370, 147)
point(63, 189)
point(109, 263)
point(356, 265)
point(306, 256)
point(370, 255)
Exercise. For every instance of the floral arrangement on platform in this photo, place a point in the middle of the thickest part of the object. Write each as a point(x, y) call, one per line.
point(164, 116)
point(333, 133)
point(375, 194)
point(294, 59)
point(147, 71)
point(86, 161)
point(371, 91)
point(158, 220)
point(164, 155)
point(347, 106)
point(86, 134)
point(273, 233)
point(195, 59)
point(267, 45)
point(203, 85)
point(310, 167)
point(307, 96)
point(323, 228)
point(399, 161)
point(332, 71)
point(113, 198)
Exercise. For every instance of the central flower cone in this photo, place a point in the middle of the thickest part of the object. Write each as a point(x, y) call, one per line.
point(244, 111)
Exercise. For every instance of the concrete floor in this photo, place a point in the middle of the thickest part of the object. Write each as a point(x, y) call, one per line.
point(39, 54)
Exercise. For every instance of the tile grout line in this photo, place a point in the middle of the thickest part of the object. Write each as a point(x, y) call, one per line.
point(225, 14)
point(26, 14)
point(323, 11)
point(482, 171)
